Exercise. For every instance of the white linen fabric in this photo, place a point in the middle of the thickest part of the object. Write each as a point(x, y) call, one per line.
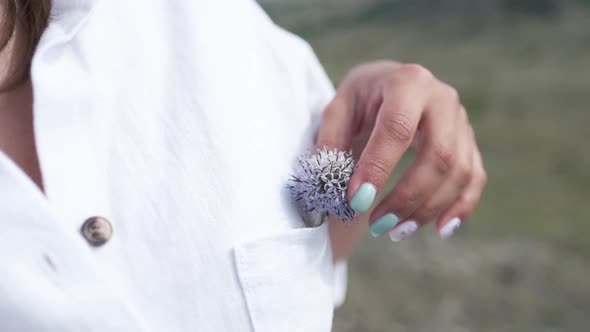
point(179, 122)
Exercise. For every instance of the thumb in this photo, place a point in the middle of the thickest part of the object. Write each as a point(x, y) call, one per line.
point(336, 127)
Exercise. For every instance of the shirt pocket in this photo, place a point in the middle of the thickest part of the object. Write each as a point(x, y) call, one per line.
point(287, 280)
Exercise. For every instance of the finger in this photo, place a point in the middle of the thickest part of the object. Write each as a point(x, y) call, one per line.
point(459, 177)
point(403, 230)
point(452, 218)
point(394, 129)
point(336, 128)
point(437, 155)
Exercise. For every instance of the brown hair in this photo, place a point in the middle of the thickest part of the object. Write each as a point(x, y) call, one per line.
point(31, 18)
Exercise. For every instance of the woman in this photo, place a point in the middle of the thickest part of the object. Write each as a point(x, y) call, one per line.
point(145, 156)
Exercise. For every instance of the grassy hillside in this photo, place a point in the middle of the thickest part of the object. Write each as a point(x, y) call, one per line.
point(523, 262)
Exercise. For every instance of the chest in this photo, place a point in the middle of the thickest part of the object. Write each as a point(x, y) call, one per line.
point(17, 139)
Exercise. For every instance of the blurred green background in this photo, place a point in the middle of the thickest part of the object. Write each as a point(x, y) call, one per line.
point(522, 263)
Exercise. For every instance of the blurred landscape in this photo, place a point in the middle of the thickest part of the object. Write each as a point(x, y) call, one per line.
point(522, 263)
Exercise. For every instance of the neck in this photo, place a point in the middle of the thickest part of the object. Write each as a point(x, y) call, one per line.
point(13, 69)
point(18, 97)
point(15, 86)
point(17, 139)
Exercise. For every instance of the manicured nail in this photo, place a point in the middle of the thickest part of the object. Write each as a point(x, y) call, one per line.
point(383, 224)
point(403, 230)
point(449, 229)
point(363, 198)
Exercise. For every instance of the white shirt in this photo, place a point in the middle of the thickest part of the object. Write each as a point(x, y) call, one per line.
point(179, 122)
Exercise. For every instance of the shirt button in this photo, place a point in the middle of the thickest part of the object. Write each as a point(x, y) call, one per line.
point(97, 230)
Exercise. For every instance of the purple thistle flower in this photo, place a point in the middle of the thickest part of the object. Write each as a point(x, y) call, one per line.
point(321, 180)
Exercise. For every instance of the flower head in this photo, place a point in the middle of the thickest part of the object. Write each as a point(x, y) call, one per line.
point(321, 180)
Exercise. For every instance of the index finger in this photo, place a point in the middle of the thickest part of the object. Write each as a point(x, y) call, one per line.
point(335, 130)
point(395, 127)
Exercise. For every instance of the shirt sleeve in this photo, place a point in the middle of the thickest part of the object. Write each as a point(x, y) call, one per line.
point(320, 92)
point(320, 89)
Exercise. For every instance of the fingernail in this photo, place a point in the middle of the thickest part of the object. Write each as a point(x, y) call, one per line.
point(363, 198)
point(403, 230)
point(449, 229)
point(383, 224)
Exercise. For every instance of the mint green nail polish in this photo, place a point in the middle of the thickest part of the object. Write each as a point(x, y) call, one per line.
point(383, 224)
point(363, 198)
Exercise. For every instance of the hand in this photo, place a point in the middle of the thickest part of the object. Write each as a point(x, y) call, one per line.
point(400, 104)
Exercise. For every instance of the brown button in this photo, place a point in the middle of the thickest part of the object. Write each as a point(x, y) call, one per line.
point(97, 230)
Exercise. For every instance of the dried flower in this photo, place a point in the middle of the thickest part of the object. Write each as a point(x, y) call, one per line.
point(321, 180)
